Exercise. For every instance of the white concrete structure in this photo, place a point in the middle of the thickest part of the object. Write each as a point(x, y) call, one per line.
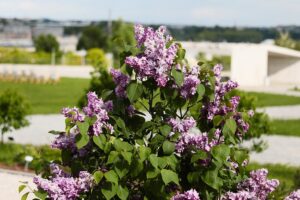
point(47, 71)
point(253, 64)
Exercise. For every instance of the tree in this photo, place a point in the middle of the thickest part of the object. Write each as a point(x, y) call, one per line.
point(13, 110)
point(92, 37)
point(46, 43)
point(96, 57)
point(285, 40)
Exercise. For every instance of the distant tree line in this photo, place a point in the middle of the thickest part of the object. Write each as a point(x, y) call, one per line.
point(214, 34)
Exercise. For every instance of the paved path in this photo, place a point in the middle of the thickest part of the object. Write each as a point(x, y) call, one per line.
point(281, 150)
point(37, 132)
point(10, 182)
point(282, 112)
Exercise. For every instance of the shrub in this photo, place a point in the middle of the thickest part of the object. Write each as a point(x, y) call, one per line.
point(111, 150)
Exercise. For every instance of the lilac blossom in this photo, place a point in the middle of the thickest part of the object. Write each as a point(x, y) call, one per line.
point(64, 141)
point(61, 186)
point(182, 126)
point(73, 114)
point(295, 195)
point(190, 83)
point(157, 59)
point(188, 195)
point(215, 107)
point(257, 185)
point(96, 107)
point(121, 80)
point(198, 142)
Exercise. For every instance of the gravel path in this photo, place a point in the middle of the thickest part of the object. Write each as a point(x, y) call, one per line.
point(282, 112)
point(10, 182)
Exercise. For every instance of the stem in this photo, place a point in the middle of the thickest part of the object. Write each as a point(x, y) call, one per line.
point(2, 138)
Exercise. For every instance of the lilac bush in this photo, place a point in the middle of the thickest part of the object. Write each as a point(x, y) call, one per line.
point(141, 141)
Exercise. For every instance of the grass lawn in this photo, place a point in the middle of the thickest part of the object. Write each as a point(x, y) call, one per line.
point(285, 127)
point(47, 98)
point(266, 99)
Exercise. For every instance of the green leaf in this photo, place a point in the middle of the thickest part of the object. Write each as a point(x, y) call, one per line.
point(111, 176)
point(153, 173)
point(100, 141)
point(24, 196)
point(193, 177)
point(165, 129)
point(21, 188)
point(221, 152)
point(217, 120)
point(144, 153)
point(83, 127)
point(168, 147)
point(41, 195)
point(109, 190)
point(112, 157)
point(211, 178)
point(98, 175)
point(240, 156)
point(199, 155)
point(127, 156)
point(122, 146)
point(121, 169)
point(120, 123)
point(229, 127)
point(169, 176)
point(153, 160)
point(122, 192)
point(200, 91)
point(134, 91)
point(162, 162)
point(81, 140)
point(137, 167)
point(178, 76)
point(55, 132)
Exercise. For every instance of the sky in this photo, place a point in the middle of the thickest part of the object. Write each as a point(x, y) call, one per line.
point(175, 12)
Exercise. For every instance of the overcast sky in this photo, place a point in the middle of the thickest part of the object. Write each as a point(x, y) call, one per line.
point(181, 12)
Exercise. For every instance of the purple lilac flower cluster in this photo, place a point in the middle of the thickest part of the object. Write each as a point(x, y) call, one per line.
point(199, 141)
point(257, 186)
point(188, 195)
point(295, 195)
point(73, 114)
point(215, 107)
point(121, 80)
point(96, 107)
point(182, 126)
point(62, 186)
point(157, 59)
point(190, 83)
point(64, 141)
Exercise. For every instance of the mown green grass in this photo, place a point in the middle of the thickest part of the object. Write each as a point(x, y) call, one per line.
point(267, 99)
point(285, 127)
point(48, 98)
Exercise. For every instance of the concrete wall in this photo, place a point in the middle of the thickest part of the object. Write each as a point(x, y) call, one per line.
point(48, 70)
point(249, 65)
point(284, 70)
